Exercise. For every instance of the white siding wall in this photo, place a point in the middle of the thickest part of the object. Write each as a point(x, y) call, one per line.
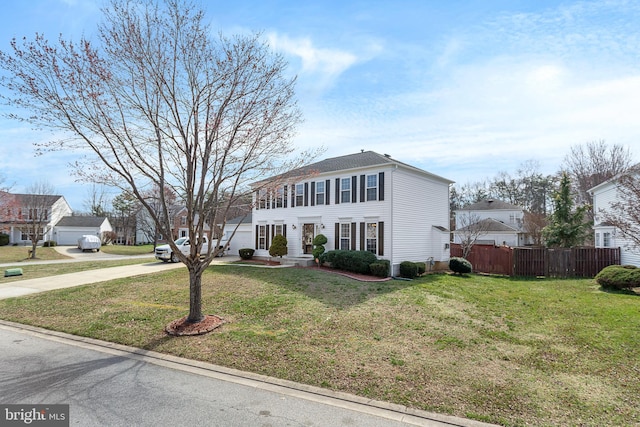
point(602, 200)
point(327, 215)
point(418, 205)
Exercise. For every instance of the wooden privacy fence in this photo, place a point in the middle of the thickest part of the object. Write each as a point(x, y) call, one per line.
point(536, 261)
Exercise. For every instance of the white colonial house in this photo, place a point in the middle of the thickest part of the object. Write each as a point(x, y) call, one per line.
point(22, 212)
point(364, 201)
point(501, 222)
point(606, 235)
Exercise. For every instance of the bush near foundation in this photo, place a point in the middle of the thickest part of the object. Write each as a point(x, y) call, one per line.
point(619, 277)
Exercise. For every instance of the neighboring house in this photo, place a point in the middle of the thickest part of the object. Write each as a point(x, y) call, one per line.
point(606, 235)
point(243, 237)
point(364, 201)
point(20, 210)
point(501, 222)
point(69, 229)
point(180, 228)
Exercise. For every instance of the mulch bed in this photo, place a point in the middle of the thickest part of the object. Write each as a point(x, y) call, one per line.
point(181, 327)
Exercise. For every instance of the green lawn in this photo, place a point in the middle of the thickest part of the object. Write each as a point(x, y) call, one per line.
point(128, 250)
point(506, 351)
point(19, 254)
point(34, 271)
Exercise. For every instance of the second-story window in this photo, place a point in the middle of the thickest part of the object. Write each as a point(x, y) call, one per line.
point(345, 190)
point(279, 197)
point(299, 194)
point(320, 193)
point(183, 220)
point(372, 187)
point(262, 199)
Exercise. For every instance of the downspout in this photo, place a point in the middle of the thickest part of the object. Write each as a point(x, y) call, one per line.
point(395, 167)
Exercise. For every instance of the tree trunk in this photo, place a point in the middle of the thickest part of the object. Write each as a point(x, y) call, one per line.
point(33, 249)
point(195, 294)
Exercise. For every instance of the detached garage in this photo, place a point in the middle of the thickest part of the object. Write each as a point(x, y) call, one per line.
point(70, 228)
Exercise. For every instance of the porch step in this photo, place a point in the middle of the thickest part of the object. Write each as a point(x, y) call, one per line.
point(296, 261)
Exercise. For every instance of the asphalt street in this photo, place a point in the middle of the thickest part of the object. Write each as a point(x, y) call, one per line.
point(107, 384)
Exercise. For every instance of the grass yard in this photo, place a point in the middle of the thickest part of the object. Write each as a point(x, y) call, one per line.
point(20, 254)
point(128, 250)
point(34, 271)
point(506, 351)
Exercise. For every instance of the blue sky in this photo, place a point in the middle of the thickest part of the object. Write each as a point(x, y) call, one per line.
point(462, 89)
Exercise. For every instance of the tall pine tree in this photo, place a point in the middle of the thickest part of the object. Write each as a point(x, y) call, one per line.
point(567, 225)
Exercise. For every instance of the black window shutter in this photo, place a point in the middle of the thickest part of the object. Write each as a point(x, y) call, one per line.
point(354, 189)
point(327, 183)
point(284, 230)
point(257, 235)
point(381, 186)
point(313, 193)
point(353, 236)
point(293, 196)
point(257, 200)
point(273, 230)
point(338, 190)
point(337, 236)
point(362, 187)
point(381, 238)
point(306, 194)
point(362, 246)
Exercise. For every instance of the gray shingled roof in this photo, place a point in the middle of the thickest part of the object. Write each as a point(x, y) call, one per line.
point(353, 161)
point(490, 204)
point(81, 221)
point(39, 199)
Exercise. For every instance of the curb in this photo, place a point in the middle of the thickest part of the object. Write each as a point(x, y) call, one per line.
point(381, 409)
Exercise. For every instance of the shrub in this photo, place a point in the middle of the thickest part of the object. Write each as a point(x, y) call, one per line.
point(380, 268)
point(408, 269)
point(318, 245)
point(4, 239)
point(619, 277)
point(49, 244)
point(354, 261)
point(460, 265)
point(422, 268)
point(278, 246)
point(246, 253)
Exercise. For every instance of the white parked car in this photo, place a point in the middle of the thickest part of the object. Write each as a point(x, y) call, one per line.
point(165, 254)
point(89, 242)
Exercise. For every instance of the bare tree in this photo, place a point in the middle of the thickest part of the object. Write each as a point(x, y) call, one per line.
point(160, 102)
point(533, 224)
point(125, 210)
point(625, 211)
point(470, 228)
point(97, 201)
point(36, 208)
point(591, 164)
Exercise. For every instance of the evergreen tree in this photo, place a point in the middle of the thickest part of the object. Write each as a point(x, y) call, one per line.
point(567, 226)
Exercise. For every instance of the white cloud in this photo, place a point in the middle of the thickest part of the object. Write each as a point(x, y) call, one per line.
point(321, 65)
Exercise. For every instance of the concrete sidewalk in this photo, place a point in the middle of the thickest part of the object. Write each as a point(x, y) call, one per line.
point(32, 286)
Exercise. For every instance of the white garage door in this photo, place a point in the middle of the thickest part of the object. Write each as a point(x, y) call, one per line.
point(70, 237)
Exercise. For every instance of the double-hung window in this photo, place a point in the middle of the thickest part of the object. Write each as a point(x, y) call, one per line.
point(299, 194)
point(279, 197)
point(345, 236)
point(372, 237)
point(320, 193)
point(372, 187)
point(262, 237)
point(345, 190)
point(277, 229)
point(262, 198)
point(606, 240)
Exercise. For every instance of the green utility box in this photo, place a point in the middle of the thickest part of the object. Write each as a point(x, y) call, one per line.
point(13, 272)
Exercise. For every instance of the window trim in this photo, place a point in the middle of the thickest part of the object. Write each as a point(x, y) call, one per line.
point(345, 191)
point(371, 189)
